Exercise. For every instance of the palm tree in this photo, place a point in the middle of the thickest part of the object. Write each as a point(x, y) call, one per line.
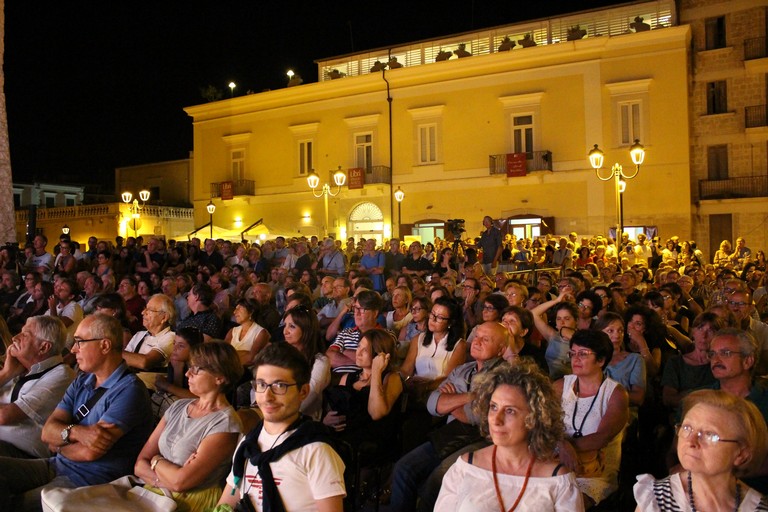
point(7, 214)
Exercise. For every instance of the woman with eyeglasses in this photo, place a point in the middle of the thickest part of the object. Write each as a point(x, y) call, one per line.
point(493, 307)
point(596, 411)
point(420, 308)
point(589, 305)
point(435, 353)
point(190, 451)
point(720, 438)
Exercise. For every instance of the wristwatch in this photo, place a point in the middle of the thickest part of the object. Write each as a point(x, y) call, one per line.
point(65, 434)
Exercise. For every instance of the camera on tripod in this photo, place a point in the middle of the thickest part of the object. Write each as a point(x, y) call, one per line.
point(455, 227)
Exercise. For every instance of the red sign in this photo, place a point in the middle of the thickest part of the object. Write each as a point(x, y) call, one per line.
point(516, 164)
point(226, 190)
point(356, 177)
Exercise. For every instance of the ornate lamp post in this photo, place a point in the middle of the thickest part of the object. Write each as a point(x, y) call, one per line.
point(313, 180)
point(134, 206)
point(211, 208)
point(596, 160)
point(399, 196)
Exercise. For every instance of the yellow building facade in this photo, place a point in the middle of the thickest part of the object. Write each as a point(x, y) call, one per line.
point(441, 132)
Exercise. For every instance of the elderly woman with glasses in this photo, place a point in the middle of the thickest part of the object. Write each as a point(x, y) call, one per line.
point(720, 438)
point(596, 411)
point(435, 353)
point(190, 452)
point(521, 415)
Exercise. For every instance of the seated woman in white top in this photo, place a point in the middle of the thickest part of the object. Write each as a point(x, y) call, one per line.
point(519, 471)
point(247, 337)
point(435, 353)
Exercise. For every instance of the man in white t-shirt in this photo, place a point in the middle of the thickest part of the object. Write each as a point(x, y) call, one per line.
point(151, 349)
point(287, 456)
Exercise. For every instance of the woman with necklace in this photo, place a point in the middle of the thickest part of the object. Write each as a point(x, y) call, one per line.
point(720, 438)
point(519, 471)
point(596, 411)
point(190, 451)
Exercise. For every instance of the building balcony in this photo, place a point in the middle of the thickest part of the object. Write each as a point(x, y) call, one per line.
point(755, 48)
point(233, 188)
point(374, 174)
point(734, 188)
point(756, 116)
point(536, 161)
point(69, 213)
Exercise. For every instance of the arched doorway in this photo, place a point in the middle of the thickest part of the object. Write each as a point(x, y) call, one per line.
point(366, 220)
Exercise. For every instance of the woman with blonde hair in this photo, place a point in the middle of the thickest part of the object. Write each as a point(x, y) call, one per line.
point(721, 438)
point(520, 469)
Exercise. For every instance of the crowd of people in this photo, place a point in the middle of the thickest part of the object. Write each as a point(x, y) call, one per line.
point(560, 373)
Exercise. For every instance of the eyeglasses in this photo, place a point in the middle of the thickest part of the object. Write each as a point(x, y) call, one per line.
point(724, 353)
point(488, 307)
point(666, 297)
point(438, 318)
point(705, 437)
point(277, 388)
point(469, 287)
point(195, 370)
point(584, 305)
point(416, 309)
point(581, 354)
point(78, 341)
point(737, 304)
point(361, 310)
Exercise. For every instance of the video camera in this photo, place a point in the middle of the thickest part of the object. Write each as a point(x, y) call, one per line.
point(455, 227)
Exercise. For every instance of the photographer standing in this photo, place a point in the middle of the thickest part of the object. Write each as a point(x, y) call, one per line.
point(490, 243)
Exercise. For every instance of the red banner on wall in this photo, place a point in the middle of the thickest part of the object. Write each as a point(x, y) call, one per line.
point(226, 190)
point(356, 177)
point(516, 164)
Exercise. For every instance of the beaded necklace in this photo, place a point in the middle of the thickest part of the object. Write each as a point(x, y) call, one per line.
point(690, 494)
point(496, 482)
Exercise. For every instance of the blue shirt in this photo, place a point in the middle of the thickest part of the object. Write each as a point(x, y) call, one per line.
point(126, 404)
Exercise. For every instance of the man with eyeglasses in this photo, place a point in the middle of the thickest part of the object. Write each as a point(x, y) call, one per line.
point(733, 354)
point(740, 303)
point(339, 299)
point(32, 382)
point(287, 458)
point(419, 473)
point(343, 350)
point(98, 428)
point(150, 349)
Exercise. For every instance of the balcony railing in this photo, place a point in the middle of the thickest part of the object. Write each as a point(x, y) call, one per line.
point(239, 188)
point(755, 48)
point(756, 116)
point(537, 161)
point(105, 209)
point(734, 188)
point(374, 174)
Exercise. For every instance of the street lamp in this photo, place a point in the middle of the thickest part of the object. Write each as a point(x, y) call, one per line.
point(134, 206)
point(399, 196)
point(596, 159)
point(231, 89)
point(65, 229)
point(313, 180)
point(211, 208)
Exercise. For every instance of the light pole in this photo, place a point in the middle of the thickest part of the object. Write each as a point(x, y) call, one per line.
point(399, 196)
point(134, 206)
point(313, 180)
point(232, 89)
point(65, 229)
point(211, 208)
point(596, 159)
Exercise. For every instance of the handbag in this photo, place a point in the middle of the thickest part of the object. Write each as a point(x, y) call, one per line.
point(125, 494)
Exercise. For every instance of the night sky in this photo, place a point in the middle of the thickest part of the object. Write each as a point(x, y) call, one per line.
point(91, 86)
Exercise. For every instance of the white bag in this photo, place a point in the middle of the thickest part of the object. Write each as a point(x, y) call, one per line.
point(117, 496)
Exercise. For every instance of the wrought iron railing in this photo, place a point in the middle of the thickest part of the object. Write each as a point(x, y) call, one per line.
point(239, 188)
point(755, 116)
point(374, 174)
point(536, 161)
point(734, 188)
point(755, 48)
